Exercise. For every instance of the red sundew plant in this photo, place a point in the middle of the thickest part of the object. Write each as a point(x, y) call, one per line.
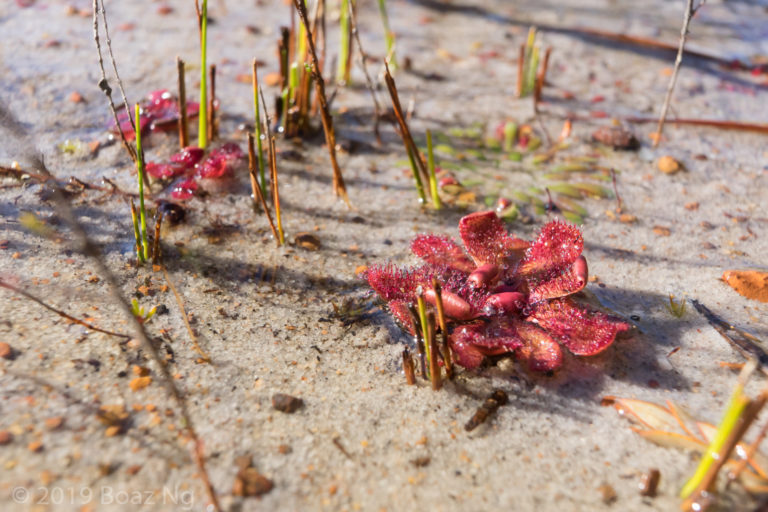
point(159, 111)
point(505, 295)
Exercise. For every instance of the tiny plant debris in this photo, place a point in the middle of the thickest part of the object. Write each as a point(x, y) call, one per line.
point(507, 296)
point(490, 405)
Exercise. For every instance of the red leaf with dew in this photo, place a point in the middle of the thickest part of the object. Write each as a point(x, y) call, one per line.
point(487, 241)
point(582, 330)
point(441, 250)
point(558, 246)
point(539, 350)
point(572, 280)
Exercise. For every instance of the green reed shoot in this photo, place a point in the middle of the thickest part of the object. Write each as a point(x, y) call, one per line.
point(432, 178)
point(529, 65)
point(143, 253)
point(389, 36)
point(259, 143)
point(202, 130)
point(423, 321)
point(342, 70)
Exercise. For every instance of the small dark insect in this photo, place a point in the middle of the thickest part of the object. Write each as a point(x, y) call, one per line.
point(650, 482)
point(493, 402)
point(173, 212)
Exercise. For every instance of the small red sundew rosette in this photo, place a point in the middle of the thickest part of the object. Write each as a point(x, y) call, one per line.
point(505, 295)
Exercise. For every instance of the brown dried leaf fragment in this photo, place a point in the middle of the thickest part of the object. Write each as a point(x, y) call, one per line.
point(752, 284)
point(286, 403)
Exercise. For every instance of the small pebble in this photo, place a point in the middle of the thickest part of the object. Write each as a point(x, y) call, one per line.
point(5, 437)
point(668, 165)
point(35, 446)
point(54, 423)
point(307, 241)
point(6, 352)
point(286, 403)
point(140, 383)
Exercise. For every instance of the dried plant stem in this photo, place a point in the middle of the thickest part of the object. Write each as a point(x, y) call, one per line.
point(276, 191)
point(434, 365)
point(156, 241)
point(446, 350)
point(420, 169)
point(104, 83)
point(136, 230)
point(422, 310)
point(690, 10)
point(202, 129)
point(330, 138)
point(257, 113)
point(257, 193)
point(408, 369)
point(541, 77)
point(60, 312)
point(183, 126)
point(22, 174)
point(213, 130)
point(368, 80)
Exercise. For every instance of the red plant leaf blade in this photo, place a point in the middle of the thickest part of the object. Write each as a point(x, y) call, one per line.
point(572, 280)
point(391, 282)
point(540, 351)
point(399, 310)
point(487, 241)
point(443, 251)
point(584, 331)
point(558, 246)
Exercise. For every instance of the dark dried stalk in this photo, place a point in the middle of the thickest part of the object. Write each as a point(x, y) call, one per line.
point(60, 312)
point(104, 83)
point(408, 369)
point(183, 127)
point(541, 77)
point(445, 348)
point(434, 366)
point(156, 241)
point(690, 10)
point(22, 174)
point(368, 80)
point(330, 138)
point(213, 129)
point(257, 193)
point(405, 133)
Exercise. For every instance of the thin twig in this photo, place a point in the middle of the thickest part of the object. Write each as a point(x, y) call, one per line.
point(104, 83)
point(183, 126)
point(330, 138)
point(690, 10)
point(60, 312)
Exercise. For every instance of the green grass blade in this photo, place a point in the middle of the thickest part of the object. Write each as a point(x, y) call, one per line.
point(202, 130)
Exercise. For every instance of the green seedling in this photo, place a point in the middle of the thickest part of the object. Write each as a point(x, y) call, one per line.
point(432, 178)
point(140, 313)
point(143, 252)
point(527, 67)
point(416, 175)
point(202, 130)
point(343, 71)
point(259, 136)
point(676, 308)
point(510, 135)
point(422, 308)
